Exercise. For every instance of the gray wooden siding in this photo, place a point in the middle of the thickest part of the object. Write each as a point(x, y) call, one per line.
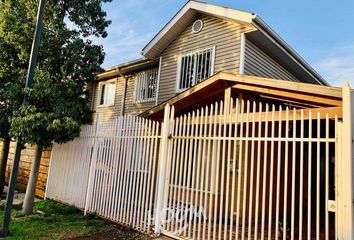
point(131, 107)
point(258, 63)
point(216, 32)
point(107, 113)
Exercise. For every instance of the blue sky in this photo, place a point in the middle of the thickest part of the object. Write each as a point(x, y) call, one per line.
point(321, 31)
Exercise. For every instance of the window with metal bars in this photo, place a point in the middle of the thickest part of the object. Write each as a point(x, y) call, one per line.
point(145, 85)
point(195, 67)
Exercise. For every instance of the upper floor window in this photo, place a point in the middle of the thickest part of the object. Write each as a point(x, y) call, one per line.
point(195, 67)
point(145, 85)
point(107, 92)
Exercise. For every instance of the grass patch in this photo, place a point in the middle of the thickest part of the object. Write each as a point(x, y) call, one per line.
point(51, 220)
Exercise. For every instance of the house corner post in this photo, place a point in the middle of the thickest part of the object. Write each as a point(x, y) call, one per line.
point(93, 161)
point(346, 182)
point(162, 171)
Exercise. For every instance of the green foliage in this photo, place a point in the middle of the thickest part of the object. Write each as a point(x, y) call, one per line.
point(52, 220)
point(11, 73)
point(67, 62)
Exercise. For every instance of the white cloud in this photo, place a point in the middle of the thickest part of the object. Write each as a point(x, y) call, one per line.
point(338, 67)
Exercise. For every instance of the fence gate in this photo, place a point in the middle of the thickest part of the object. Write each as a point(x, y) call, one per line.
point(251, 171)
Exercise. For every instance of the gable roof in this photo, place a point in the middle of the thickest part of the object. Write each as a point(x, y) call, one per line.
point(272, 41)
point(183, 18)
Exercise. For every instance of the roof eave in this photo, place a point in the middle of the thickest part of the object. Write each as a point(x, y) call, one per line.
point(266, 29)
point(116, 71)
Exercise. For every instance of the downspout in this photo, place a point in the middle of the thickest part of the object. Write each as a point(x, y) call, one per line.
point(93, 95)
point(158, 82)
point(242, 54)
point(122, 110)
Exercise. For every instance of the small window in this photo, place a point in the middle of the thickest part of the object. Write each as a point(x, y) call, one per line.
point(107, 92)
point(145, 85)
point(195, 67)
point(197, 26)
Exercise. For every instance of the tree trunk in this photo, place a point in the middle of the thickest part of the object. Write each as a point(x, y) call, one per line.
point(32, 181)
point(3, 162)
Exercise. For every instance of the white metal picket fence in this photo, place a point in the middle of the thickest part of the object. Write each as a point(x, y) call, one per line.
point(234, 170)
point(248, 171)
point(69, 169)
point(110, 172)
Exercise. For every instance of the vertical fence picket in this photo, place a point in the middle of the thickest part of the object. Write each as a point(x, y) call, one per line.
point(203, 171)
point(212, 170)
point(240, 160)
point(123, 164)
point(117, 167)
point(234, 157)
point(250, 206)
point(318, 177)
point(286, 172)
point(228, 169)
point(195, 122)
point(327, 178)
point(198, 160)
point(208, 189)
point(309, 178)
point(189, 174)
point(293, 176)
point(264, 180)
point(271, 174)
point(184, 160)
point(216, 181)
point(245, 172)
point(258, 169)
point(153, 182)
point(144, 172)
point(301, 175)
point(278, 174)
point(178, 174)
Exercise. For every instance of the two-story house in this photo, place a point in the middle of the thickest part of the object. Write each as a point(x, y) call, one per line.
point(198, 42)
point(272, 164)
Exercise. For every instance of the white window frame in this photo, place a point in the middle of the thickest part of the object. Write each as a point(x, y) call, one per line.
point(179, 65)
point(105, 104)
point(142, 83)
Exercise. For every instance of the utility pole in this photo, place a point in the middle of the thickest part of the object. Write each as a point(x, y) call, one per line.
point(19, 146)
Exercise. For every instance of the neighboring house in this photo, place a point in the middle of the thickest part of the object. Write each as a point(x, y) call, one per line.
point(198, 42)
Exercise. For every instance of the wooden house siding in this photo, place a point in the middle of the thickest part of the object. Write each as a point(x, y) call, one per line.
point(108, 112)
point(132, 107)
point(224, 35)
point(259, 63)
